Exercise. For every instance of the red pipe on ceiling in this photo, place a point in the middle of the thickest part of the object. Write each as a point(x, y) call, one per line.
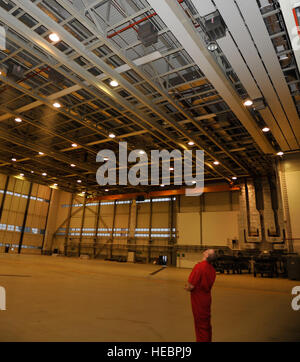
point(136, 23)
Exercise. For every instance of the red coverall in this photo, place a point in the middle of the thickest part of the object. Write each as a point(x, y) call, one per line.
point(202, 278)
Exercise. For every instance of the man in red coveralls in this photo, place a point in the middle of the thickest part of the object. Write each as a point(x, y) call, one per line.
point(200, 283)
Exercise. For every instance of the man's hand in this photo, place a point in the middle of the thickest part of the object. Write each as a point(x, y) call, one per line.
point(189, 287)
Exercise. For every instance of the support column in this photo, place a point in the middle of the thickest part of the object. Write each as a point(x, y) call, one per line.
point(46, 223)
point(82, 225)
point(25, 219)
point(68, 225)
point(112, 231)
point(4, 196)
point(96, 227)
point(150, 232)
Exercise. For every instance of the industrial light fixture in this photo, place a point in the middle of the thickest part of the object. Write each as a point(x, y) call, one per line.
point(56, 105)
point(32, 171)
point(112, 135)
point(106, 190)
point(212, 46)
point(55, 185)
point(22, 174)
point(114, 83)
point(18, 120)
point(234, 178)
point(54, 37)
point(72, 165)
point(248, 103)
point(142, 152)
point(41, 153)
point(191, 143)
point(79, 181)
point(266, 129)
point(14, 159)
point(162, 185)
point(44, 174)
point(216, 163)
point(74, 145)
point(280, 153)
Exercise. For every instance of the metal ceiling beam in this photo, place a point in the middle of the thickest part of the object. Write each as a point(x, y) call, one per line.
point(180, 25)
point(259, 32)
point(241, 69)
point(133, 65)
point(39, 41)
point(20, 141)
point(80, 85)
point(241, 36)
point(34, 11)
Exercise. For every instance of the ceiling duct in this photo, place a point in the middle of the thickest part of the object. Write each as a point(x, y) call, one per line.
point(188, 77)
point(15, 72)
point(259, 104)
point(215, 26)
point(55, 76)
point(148, 34)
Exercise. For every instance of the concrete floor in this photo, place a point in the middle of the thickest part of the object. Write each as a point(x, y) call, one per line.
point(60, 299)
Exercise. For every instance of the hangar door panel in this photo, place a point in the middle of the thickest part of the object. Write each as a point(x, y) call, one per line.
point(188, 228)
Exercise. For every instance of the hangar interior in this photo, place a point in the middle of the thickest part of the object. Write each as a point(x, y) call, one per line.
point(81, 76)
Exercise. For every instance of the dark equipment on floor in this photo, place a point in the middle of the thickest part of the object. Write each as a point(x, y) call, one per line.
point(293, 267)
point(265, 264)
point(234, 264)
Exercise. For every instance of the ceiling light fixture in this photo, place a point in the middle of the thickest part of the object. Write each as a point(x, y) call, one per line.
point(112, 135)
point(22, 174)
point(44, 174)
point(14, 159)
point(41, 153)
point(266, 129)
point(18, 120)
point(72, 165)
point(74, 145)
point(212, 46)
point(56, 105)
point(234, 178)
point(54, 37)
point(79, 181)
point(191, 143)
point(280, 153)
point(114, 83)
point(216, 163)
point(248, 103)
